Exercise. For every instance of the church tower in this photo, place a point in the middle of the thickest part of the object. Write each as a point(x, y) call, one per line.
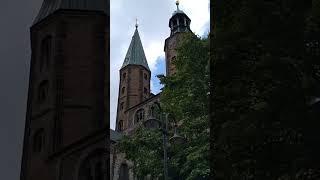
point(134, 86)
point(179, 24)
point(67, 121)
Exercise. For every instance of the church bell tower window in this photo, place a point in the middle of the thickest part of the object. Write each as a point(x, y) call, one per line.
point(38, 141)
point(121, 106)
point(120, 125)
point(43, 91)
point(124, 76)
point(123, 90)
point(45, 53)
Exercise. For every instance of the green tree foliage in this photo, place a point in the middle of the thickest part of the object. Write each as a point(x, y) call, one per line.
point(264, 79)
point(185, 95)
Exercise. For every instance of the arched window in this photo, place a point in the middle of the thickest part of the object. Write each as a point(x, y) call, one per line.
point(43, 91)
point(145, 90)
point(173, 59)
point(145, 76)
point(45, 52)
point(154, 111)
point(124, 76)
point(123, 90)
point(181, 21)
point(124, 172)
point(121, 105)
point(139, 115)
point(92, 167)
point(38, 141)
point(120, 125)
point(174, 22)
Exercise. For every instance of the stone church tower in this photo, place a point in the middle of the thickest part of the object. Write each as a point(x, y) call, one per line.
point(179, 24)
point(67, 121)
point(134, 86)
point(135, 101)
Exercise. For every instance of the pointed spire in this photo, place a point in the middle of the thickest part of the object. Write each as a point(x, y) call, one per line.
point(135, 54)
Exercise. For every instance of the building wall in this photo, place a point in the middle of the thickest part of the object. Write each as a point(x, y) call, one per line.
point(171, 45)
point(67, 96)
point(134, 88)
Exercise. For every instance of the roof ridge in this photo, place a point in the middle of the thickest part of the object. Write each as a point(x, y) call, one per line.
point(50, 6)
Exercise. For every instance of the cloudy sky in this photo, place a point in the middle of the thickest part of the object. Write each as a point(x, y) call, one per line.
point(153, 19)
point(16, 17)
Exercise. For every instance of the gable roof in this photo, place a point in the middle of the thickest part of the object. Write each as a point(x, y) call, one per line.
point(50, 6)
point(135, 54)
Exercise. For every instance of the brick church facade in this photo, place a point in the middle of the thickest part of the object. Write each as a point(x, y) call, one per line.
point(135, 101)
point(67, 120)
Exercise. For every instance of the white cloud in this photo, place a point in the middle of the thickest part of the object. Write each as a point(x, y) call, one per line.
point(155, 49)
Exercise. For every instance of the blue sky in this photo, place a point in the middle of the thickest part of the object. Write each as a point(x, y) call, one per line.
point(153, 19)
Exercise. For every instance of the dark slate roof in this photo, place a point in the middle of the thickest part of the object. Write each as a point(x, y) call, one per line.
point(114, 135)
point(178, 11)
point(135, 54)
point(50, 6)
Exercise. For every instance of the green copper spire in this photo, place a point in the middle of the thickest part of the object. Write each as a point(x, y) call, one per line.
point(135, 54)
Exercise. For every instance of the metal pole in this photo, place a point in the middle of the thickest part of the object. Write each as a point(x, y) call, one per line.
point(165, 159)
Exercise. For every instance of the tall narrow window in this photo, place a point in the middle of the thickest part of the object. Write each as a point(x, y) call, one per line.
point(124, 75)
point(145, 76)
point(43, 91)
point(123, 90)
point(145, 90)
point(45, 53)
point(139, 115)
point(124, 172)
point(38, 141)
point(121, 105)
point(92, 167)
point(120, 125)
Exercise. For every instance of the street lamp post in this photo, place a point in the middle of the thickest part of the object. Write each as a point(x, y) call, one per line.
point(153, 123)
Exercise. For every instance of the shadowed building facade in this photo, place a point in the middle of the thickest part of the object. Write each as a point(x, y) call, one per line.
point(67, 121)
point(135, 101)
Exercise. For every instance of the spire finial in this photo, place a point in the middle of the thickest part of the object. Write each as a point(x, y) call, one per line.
point(136, 23)
point(177, 3)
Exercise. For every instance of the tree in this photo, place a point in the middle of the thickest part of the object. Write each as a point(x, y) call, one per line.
point(262, 89)
point(185, 95)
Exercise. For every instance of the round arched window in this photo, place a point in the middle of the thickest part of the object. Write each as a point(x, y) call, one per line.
point(92, 167)
point(123, 90)
point(139, 115)
point(124, 172)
